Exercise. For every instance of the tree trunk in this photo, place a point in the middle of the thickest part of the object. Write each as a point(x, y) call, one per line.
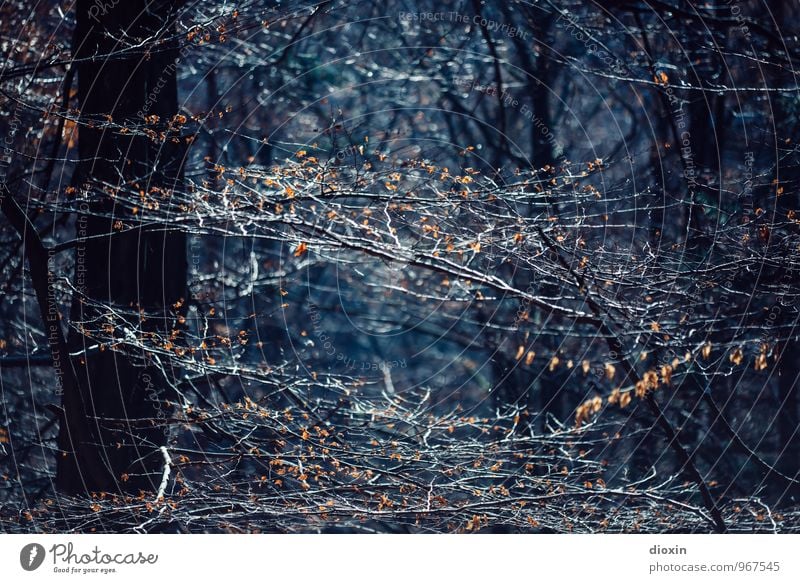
point(126, 260)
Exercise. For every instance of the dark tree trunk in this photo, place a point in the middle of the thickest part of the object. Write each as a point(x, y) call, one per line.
point(140, 269)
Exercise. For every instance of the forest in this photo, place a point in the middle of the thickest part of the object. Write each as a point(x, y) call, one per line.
point(498, 266)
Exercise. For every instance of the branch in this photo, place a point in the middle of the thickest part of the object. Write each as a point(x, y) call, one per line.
point(165, 476)
point(615, 345)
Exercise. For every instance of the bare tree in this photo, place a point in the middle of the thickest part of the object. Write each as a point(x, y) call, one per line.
point(420, 267)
